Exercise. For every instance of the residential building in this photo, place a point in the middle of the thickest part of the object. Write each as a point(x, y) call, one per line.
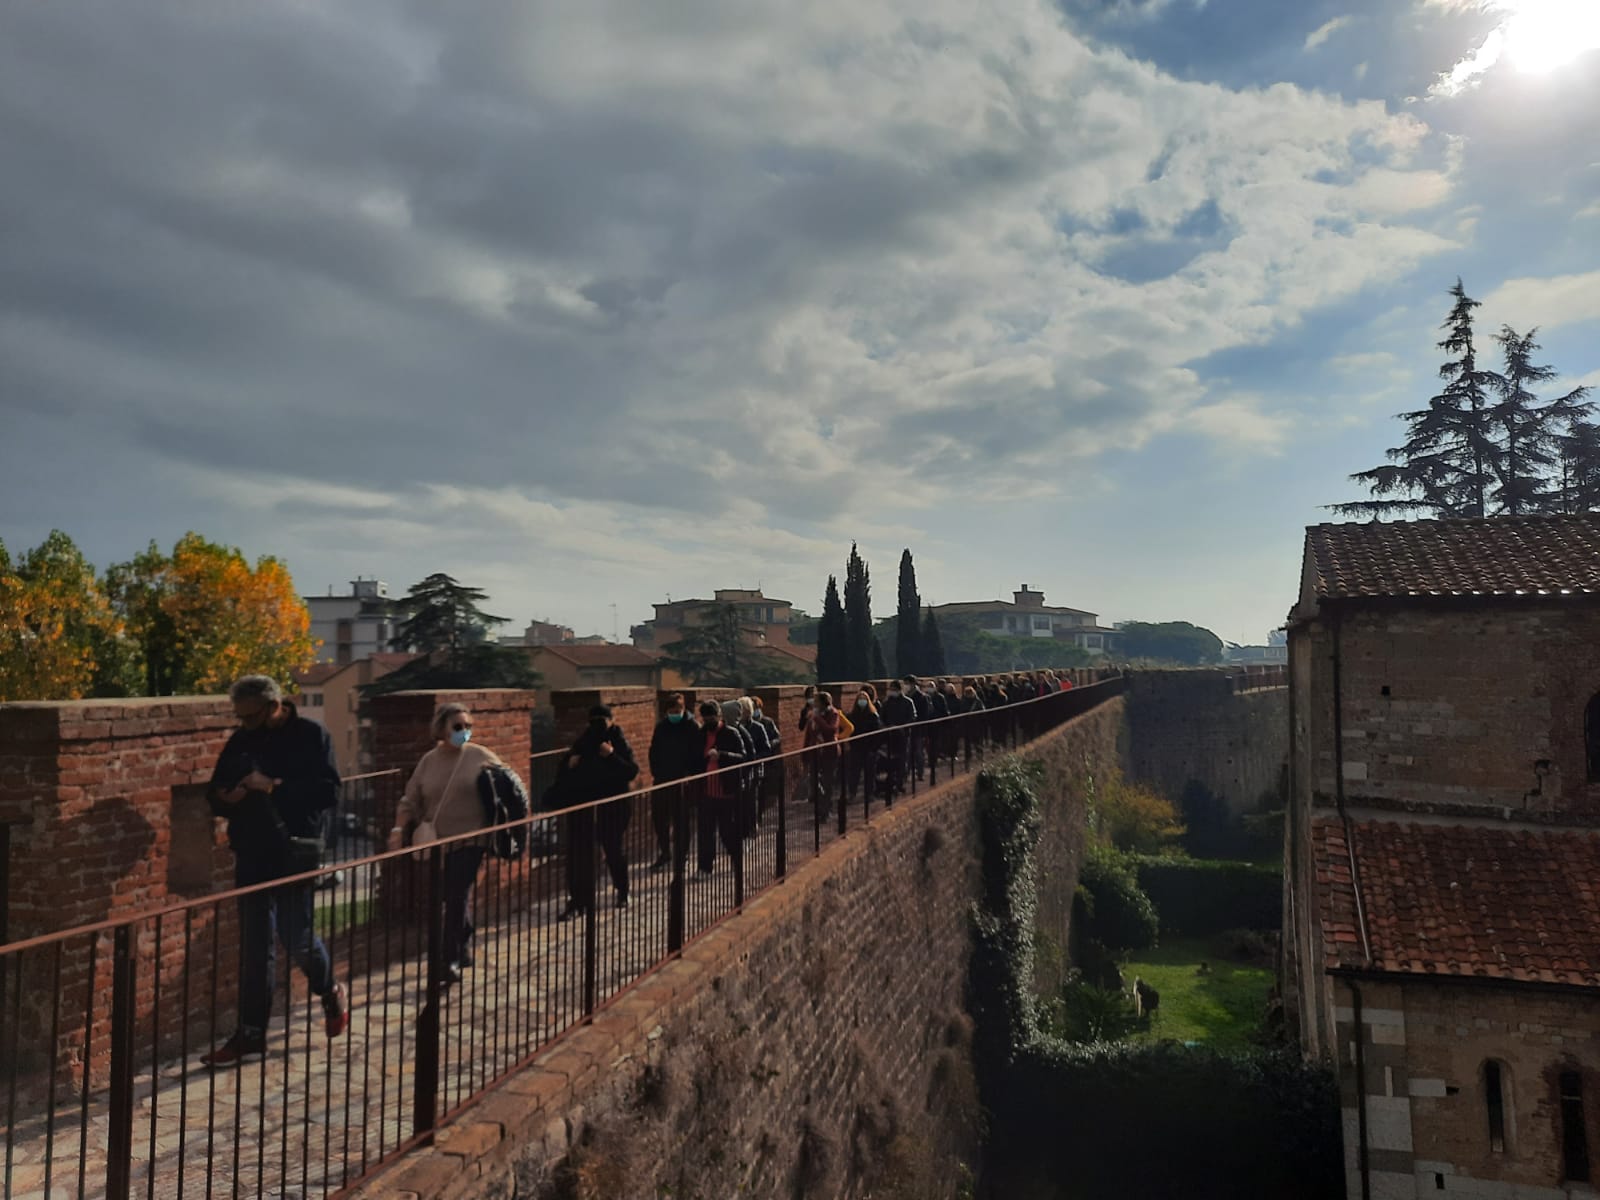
point(331, 695)
point(584, 666)
point(355, 626)
point(1441, 928)
point(765, 620)
point(540, 633)
point(1027, 615)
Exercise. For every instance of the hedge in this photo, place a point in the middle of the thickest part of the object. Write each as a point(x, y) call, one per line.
point(1201, 897)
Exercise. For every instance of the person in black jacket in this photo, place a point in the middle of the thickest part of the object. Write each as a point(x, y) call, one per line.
point(771, 784)
point(721, 751)
point(600, 766)
point(674, 755)
point(275, 778)
point(899, 713)
point(862, 750)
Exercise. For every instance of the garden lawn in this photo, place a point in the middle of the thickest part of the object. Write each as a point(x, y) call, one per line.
point(1221, 1009)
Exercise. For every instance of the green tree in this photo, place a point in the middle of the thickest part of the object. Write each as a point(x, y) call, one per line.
point(933, 662)
point(908, 654)
point(442, 616)
point(1530, 429)
point(712, 652)
point(833, 636)
point(1580, 468)
point(858, 615)
point(1171, 641)
point(879, 669)
point(484, 665)
point(1446, 465)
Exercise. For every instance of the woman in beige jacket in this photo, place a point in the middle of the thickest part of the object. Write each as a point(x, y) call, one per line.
point(443, 793)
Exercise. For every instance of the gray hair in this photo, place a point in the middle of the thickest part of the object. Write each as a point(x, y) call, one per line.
point(441, 718)
point(732, 711)
point(256, 687)
point(747, 707)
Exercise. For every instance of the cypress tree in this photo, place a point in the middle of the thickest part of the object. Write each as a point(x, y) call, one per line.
point(879, 669)
point(932, 647)
point(858, 615)
point(833, 635)
point(908, 653)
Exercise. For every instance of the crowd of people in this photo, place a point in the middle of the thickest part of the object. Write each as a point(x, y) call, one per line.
point(276, 781)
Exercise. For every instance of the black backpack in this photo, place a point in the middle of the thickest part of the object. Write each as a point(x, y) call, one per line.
point(505, 799)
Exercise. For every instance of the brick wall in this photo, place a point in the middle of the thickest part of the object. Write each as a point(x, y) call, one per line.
point(1455, 707)
point(813, 1045)
point(1424, 1046)
point(108, 818)
point(1198, 726)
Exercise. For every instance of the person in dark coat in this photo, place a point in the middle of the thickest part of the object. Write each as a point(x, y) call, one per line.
point(275, 778)
point(771, 786)
point(899, 714)
point(722, 753)
point(761, 747)
point(674, 755)
point(862, 750)
point(599, 766)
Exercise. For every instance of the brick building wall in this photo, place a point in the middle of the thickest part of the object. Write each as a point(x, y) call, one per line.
point(813, 1045)
point(1196, 727)
point(1424, 1047)
point(1454, 707)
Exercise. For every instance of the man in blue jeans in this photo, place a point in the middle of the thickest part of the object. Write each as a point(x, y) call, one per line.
point(273, 782)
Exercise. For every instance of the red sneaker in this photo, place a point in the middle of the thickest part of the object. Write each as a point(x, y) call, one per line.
point(336, 1007)
point(236, 1050)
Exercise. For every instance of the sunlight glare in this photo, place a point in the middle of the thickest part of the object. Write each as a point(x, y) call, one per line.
point(1545, 34)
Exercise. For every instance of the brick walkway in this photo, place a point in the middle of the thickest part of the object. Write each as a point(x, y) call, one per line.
point(314, 1115)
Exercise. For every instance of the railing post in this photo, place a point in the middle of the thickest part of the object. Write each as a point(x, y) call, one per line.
point(591, 918)
point(425, 1096)
point(677, 890)
point(816, 801)
point(781, 865)
point(841, 801)
point(119, 1140)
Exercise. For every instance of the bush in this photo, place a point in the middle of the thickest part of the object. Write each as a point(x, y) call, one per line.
point(1133, 817)
point(1086, 1013)
point(1202, 897)
point(1113, 909)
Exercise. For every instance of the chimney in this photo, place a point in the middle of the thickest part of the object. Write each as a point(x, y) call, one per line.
point(1026, 599)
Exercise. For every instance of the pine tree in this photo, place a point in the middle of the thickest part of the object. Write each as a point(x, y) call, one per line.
point(908, 654)
point(442, 614)
point(1580, 468)
point(1447, 463)
point(833, 636)
point(1530, 442)
point(932, 647)
point(879, 668)
point(858, 614)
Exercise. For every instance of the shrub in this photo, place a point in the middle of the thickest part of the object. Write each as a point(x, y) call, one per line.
point(1114, 910)
point(1131, 816)
point(1086, 1013)
point(1201, 897)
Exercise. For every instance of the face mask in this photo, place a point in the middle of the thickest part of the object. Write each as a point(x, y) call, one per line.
point(675, 717)
point(862, 703)
point(460, 737)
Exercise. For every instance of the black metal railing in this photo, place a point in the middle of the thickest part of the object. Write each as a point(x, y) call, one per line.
point(101, 1027)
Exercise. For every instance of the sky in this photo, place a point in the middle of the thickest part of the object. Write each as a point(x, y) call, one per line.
point(592, 305)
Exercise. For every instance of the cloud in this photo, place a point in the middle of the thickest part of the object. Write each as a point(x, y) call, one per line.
point(1326, 30)
point(1535, 36)
point(1548, 303)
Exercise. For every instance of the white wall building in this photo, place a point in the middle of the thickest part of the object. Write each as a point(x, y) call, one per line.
point(355, 626)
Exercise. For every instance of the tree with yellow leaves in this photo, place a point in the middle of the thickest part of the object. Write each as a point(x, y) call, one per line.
point(59, 637)
point(203, 616)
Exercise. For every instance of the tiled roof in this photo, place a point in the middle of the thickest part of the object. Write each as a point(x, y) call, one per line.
point(598, 656)
point(1494, 556)
point(1480, 901)
point(315, 674)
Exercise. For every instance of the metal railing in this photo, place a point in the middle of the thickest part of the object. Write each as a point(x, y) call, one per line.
point(101, 1026)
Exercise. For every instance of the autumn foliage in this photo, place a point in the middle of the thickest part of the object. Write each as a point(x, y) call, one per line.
point(160, 624)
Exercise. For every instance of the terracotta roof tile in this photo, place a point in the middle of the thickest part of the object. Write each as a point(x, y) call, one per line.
point(1497, 556)
point(599, 656)
point(1484, 901)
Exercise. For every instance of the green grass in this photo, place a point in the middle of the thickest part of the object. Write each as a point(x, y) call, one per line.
point(336, 916)
point(1221, 1008)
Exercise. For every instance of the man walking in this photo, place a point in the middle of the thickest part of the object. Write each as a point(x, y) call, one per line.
point(274, 780)
point(675, 753)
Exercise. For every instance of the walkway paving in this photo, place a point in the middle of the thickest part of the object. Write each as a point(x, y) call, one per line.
point(314, 1115)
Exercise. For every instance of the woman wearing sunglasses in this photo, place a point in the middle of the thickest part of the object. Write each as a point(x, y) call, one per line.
point(441, 801)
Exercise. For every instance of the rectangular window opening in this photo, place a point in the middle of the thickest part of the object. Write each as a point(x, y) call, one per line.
point(1574, 1141)
point(1494, 1097)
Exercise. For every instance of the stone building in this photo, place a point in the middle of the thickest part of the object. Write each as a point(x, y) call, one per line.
point(1027, 615)
point(1442, 916)
point(764, 620)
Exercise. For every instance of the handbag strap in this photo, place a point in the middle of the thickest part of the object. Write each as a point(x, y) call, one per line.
point(444, 797)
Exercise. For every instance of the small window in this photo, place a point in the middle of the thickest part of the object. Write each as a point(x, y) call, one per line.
point(1591, 737)
point(1494, 1099)
point(1574, 1141)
